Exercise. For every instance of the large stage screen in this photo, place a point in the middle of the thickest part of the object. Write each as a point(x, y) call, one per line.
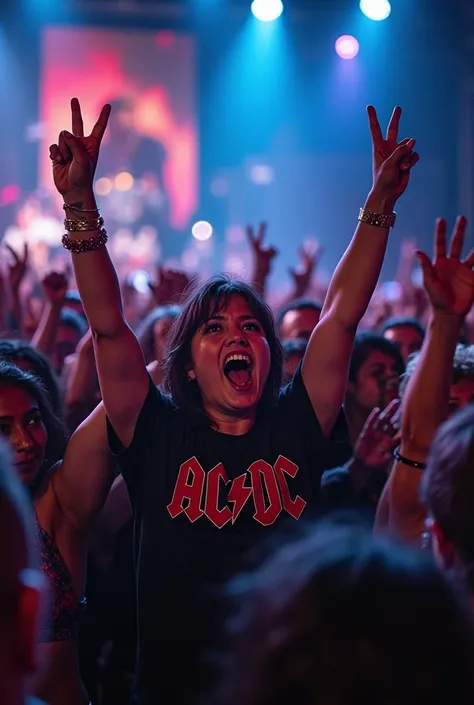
point(148, 170)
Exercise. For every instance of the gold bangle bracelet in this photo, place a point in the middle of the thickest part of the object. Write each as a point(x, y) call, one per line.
point(378, 219)
point(78, 226)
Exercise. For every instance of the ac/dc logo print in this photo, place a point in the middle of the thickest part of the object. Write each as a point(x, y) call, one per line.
point(198, 493)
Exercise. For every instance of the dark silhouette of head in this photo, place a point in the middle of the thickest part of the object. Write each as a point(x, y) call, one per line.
point(448, 493)
point(337, 617)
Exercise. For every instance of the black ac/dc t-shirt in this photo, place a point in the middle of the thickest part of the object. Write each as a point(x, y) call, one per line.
point(201, 501)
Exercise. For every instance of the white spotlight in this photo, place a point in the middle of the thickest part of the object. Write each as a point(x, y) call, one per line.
point(202, 230)
point(376, 10)
point(267, 10)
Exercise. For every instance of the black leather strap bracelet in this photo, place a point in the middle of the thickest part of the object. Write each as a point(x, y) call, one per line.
point(407, 461)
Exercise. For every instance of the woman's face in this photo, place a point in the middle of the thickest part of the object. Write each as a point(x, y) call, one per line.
point(231, 360)
point(377, 381)
point(22, 427)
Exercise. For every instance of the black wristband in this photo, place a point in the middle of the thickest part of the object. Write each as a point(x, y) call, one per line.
point(407, 461)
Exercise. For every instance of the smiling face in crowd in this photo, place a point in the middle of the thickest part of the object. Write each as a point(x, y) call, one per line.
point(21, 425)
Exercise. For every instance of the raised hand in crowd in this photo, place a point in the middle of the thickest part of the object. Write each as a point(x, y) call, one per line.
point(449, 280)
point(263, 256)
point(122, 373)
point(449, 284)
point(302, 276)
point(358, 484)
point(75, 156)
point(55, 286)
point(392, 160)
point(170, 285)
point(379, 438)
point(17, 269)
point(327, 358)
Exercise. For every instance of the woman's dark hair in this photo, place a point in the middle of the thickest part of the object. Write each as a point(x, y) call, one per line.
point(12, 376)
point(16, 350)
point(202, 303)
point(339, 618)
point(364, 344)
point(448, 487)
point(145, 333)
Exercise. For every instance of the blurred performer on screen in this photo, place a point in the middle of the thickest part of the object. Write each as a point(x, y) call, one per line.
point(134, 190)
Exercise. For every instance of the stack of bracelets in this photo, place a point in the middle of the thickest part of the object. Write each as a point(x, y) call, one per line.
point(83, 226)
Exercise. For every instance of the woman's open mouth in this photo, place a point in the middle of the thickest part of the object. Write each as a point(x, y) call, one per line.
point(238, 369)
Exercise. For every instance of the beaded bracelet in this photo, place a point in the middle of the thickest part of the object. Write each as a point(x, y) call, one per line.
point(78, 226)
point(88, 245)
point(407, 461)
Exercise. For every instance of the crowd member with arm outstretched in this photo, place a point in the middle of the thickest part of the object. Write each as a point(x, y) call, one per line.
point(449, 284)
point(226, 457)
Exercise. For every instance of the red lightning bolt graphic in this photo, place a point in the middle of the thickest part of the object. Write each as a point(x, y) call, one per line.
point(239, 495)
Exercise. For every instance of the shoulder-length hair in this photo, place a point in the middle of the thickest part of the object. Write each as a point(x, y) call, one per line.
point(203, 302)
point(13, 376)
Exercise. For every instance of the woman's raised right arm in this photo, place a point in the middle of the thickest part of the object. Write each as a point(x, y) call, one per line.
point(121, 367)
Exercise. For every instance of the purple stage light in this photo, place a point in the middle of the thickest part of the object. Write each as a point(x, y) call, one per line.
point(347, 47)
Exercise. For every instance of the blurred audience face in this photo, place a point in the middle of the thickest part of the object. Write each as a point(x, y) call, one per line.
point(461, 395)
point(376, 383)
point(22, 589)
point(406, 338)
point(21, 426)
point(299, 323)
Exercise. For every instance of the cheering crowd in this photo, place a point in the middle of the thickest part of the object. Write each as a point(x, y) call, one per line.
point(209, 500)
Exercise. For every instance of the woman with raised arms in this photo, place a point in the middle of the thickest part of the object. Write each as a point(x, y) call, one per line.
point(226, 457)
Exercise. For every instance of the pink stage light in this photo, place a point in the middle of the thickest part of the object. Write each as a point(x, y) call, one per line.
point(347, 47)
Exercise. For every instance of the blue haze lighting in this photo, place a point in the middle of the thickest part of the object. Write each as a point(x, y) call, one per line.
point(267, 10)
point(376, 10)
